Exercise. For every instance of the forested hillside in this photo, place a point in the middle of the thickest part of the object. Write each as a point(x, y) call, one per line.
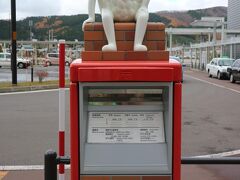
point(69, 27)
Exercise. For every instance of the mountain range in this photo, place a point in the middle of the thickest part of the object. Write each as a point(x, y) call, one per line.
point(69, 27)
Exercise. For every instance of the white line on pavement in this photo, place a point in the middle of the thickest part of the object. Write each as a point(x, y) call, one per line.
point(25, 168)
point(217, 85)
point(29, 92)
point(224, 154)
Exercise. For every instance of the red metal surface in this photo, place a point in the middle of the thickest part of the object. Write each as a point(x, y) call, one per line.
point(74, 131)
point(61, 148)
point(123, 74)
point(125, 71)
point(177, 109)
point(61, 65)
point(122, 71)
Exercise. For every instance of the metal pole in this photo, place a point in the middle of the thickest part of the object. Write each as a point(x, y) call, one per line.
point(231, 51)
point(200, 59)
point(14, 43)
point(215, 33)
point(191, 54)
point(183, 53)
point(209, 37)
point(223, 32)
point(195, 58)
point(50, 165)
point(30, 29)
point(61, 106)
point(32, 73)
point(220, 160)
point(221, 54)
point(214, 54)
point(170, 41)
point(9, 25)
point(208, 59)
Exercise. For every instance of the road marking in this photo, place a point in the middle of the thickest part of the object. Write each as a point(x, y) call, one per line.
point(29, 92)
point(224, 154)
point(214, 84)
point(25, 168)
point(3, 174)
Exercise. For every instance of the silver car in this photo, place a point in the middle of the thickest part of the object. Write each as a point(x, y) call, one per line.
point(5, 61)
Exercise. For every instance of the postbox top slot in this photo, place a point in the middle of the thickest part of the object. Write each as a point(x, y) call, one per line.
point(114, 97)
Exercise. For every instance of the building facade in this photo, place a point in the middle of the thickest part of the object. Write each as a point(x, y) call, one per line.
point(234, 14)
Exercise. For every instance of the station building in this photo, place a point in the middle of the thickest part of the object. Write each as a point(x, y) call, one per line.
point(233, 14)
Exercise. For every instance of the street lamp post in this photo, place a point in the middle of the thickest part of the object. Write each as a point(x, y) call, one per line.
point(14, 43)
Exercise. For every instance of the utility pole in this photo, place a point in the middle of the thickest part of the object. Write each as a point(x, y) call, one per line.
point(14, 43)
point(30, 29)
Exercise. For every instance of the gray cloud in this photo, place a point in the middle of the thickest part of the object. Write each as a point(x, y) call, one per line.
point(27, 8)
point(160, 5)
point(38, 7)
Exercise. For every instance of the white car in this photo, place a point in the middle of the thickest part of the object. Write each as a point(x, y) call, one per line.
point(53, 59)
point(5, 61)
point(218, 67)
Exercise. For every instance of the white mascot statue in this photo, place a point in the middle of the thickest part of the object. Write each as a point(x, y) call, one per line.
point(121, 11)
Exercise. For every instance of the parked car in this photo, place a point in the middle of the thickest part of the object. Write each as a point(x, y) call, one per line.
point(53, 59)
point(234, 71)
point(184, 66)
point(5, 61)
point(218, 67)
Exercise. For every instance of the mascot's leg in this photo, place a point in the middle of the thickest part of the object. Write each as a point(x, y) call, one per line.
point(108, 24)
point(141, 25)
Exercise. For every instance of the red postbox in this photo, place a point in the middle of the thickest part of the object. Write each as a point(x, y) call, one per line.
point(125, 108)
point(125, 120)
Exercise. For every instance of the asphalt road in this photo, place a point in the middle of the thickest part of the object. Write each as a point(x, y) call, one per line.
point(24, 75)
point(210, 115)
point(28, 127)
point(29, 122)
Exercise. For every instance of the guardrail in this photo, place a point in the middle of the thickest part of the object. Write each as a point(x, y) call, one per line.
point(51, 162)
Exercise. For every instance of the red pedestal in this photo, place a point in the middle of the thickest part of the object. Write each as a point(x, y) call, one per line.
point(125, 71)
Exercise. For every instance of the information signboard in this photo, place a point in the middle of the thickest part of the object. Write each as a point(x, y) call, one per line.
point(126, 127)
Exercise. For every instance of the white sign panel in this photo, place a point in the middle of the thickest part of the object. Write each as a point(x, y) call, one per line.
point(126, 127)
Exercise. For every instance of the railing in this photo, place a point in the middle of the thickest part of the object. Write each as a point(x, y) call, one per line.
point(220, 160)
point(51, 162)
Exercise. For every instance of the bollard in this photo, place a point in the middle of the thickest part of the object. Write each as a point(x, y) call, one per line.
point(50, 165)
point(32, 73)
point(62, 108)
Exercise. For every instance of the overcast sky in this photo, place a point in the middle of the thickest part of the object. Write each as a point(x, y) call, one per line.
point(26, 8)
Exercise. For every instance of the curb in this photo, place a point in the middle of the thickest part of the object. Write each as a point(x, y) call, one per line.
point(29, 88)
